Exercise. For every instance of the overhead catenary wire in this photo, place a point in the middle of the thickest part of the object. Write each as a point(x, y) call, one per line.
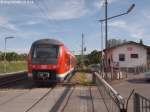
point(40, 9)
point(43, 8)
point(45, 5)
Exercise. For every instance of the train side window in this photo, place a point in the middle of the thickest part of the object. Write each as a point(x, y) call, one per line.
point(68, 59)
point(59, 51)
point(34, 53)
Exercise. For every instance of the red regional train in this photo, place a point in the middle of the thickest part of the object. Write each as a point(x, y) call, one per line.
point(50, 61)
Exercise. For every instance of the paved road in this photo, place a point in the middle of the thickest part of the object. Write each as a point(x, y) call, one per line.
point(59, 99)
point(136, 82)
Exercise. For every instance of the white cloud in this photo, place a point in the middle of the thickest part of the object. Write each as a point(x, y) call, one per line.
point(68, 9)
point(47, 9)
point(134, 30)
point(3, 20)
point(32, 22)
point(19, 50)
point(121, 24)
point(100, 3)
point(146, 14)
point(4, 23)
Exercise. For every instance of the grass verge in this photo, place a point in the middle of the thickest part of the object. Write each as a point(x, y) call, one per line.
point(13, 66)
point(81, 78)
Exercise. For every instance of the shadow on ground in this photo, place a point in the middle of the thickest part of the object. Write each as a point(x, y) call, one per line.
point(139, 81)
point(26, 84)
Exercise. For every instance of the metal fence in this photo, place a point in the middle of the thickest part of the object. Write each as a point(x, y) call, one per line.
point(111, 73)
point(113, 101)
point(114, 75)
point(141, 104)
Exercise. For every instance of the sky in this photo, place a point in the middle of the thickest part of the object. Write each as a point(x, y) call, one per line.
point(66, 20)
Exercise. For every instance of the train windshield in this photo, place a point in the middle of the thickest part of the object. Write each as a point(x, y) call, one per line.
point(45, 51)
point(45, 54)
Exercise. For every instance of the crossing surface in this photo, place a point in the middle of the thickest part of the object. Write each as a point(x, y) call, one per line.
point(57, 99)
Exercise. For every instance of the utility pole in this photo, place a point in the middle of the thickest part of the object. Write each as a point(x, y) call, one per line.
point(106, 29)
point(82, 45)
point(5, 52)
point(108, 18)
point(5, 56)
point(82, 51)
point(106, 36)
point(106, 26)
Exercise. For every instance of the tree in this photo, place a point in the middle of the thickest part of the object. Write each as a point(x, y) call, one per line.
point(94, 57)
point(114, 42)
point(10, 56)
point(141, 41)
point(13, 56)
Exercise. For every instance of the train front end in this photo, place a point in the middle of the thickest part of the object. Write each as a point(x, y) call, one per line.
point(43, 60)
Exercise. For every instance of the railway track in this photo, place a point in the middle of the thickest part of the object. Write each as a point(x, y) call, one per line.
point(12, 78)
point(90, 89)
point(61, 102)
point(67, 100)
point(50, 98)
point(41, 98)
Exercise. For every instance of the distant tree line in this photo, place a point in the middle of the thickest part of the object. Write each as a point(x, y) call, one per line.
point(13, 56)
point(114, 42)
point(92, 58)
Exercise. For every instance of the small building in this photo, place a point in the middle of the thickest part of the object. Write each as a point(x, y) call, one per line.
point(129, 55)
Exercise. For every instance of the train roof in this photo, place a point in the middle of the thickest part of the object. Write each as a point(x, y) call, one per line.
point(48, 41)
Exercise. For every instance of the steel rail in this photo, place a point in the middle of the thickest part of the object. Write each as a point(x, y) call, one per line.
point(12, 78)
point(68, 99)
point(41, 98)
point(90, 89)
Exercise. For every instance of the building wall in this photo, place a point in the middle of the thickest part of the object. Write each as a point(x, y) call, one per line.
point(128, 50)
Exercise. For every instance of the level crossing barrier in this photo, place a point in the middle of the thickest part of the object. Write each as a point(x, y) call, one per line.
point(113, 101)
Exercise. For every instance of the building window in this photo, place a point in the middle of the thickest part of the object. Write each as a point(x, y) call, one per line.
point(121, 57)
point(134, 55)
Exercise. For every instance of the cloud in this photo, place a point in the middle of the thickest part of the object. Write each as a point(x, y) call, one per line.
point(19, 50)
point(146, 14)
point(100, 3)
point(4, 23)
point(30, 22)
point(64, 10)
point(121, 24)
point(42, 11)
point(134, 30)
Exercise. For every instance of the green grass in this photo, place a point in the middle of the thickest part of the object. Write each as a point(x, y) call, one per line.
point(83, 79)
point(13, 66)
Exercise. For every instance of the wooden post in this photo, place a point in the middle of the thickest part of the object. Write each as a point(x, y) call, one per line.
point(93, 78)
point(112, 73)
point(126, 72)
